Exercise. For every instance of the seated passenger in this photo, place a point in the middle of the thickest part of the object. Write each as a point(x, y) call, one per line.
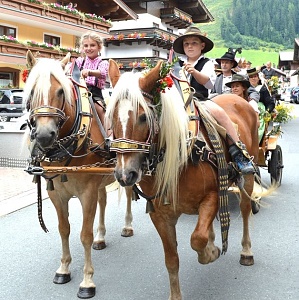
point(200, 73)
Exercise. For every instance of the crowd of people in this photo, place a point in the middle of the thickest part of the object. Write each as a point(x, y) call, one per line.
point(230, 76)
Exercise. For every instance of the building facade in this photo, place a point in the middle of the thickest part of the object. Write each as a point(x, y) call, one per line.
point(132, 30)
point(49, 30)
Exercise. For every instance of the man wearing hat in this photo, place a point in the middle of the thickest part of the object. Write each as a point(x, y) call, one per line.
point(227, 63)
point(200, 73)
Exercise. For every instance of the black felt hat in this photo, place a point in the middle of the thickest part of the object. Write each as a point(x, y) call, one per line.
point(238, 78)
point(228, 56)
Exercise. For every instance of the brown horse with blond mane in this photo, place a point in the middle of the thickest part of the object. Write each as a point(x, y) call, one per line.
point(176, 185)
point(64, 134)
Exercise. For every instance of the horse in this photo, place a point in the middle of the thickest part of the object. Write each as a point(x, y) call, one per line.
point(64, 133)
point(147, 131)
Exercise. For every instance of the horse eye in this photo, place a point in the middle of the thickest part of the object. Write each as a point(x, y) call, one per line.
point(142, 118)
point(60, 93)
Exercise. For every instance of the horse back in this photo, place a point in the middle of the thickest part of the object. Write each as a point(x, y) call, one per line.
point(243, 115)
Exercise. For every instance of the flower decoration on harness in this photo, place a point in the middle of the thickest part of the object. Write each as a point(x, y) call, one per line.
point(163, 83)
point(25, 74)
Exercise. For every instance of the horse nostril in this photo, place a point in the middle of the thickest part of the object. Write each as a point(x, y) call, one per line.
point(131, 177)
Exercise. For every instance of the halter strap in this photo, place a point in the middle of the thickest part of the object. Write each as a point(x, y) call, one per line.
point(124, 145)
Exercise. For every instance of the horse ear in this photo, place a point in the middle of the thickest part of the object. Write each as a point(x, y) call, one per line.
point(147, 82)
point(31, 61)
point(113, 72)
point(65, 60)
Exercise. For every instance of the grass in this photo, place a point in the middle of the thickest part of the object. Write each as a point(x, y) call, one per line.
point(257, 57)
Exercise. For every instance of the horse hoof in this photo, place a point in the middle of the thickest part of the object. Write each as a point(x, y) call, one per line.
point(62, 278)
point(99, 245)
point(246, 260)
point(85, 293)
point(255, 207)
point(127, 232)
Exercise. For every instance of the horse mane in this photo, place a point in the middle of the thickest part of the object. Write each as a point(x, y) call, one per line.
point(38, 82)
point(173, 128)
point(173, 136)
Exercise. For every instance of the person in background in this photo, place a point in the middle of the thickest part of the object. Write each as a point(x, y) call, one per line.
point(241, 68)
point(248, 64)
point(227, 63)
point(266, 102)
point(93, 69)
point(268, 71)
point(260, 86)
point(239, 86)
point(200, 73)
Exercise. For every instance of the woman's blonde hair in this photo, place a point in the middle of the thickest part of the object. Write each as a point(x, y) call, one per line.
point(91, 35)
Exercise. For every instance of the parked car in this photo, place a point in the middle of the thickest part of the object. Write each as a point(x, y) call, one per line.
point(286, 94)
point(294, 95)
point(10, 100)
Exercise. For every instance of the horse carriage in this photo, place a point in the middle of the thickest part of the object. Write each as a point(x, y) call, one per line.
point(151, 151)
point(270, 153)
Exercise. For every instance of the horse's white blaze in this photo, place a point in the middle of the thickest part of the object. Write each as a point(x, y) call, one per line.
point(123, 114)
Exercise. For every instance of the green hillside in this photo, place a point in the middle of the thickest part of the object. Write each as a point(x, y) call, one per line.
point(218, 10)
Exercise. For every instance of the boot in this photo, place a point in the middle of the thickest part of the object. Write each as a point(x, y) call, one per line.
point(241, 158)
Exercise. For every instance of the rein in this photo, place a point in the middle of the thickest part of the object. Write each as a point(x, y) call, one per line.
point(63, 148)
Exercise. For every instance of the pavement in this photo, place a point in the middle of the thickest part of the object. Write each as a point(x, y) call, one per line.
point(17, 190)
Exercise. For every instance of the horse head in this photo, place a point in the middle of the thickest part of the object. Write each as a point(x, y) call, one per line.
point(145, 129)
point(48, 96)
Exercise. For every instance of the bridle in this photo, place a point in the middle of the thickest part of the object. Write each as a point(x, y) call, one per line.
point(49, 111)
point(78, 135)
point(150, 149)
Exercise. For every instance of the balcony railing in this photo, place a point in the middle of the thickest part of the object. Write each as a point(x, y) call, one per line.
point(44, 10)
point(18, 49)
point(127, 64)
point(152, 36)
point(175, 17)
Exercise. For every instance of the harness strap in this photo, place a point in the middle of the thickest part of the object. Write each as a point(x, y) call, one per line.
point(95, 114)
point(224, 215)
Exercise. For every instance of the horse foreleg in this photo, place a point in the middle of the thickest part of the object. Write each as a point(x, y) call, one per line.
point(87, 286)
point(165, 226)
point(246, 257)
point(99, 242)
point(127, 230)
point(63, 274)
point(203, 236)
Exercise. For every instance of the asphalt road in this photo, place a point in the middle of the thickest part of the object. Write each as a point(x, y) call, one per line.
point(133, 268)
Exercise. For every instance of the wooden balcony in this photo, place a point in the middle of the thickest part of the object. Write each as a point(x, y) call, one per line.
point(127, 64)
point(153, 36)
point(11, 49)
point(44, 13)
point(175, 17)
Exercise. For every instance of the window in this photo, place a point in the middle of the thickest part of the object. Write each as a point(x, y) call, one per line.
point(53, 40)
point(156, 25)
point(156, 53)
point(8, 31)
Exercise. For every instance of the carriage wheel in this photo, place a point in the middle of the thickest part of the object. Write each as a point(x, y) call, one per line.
point(275, 166)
